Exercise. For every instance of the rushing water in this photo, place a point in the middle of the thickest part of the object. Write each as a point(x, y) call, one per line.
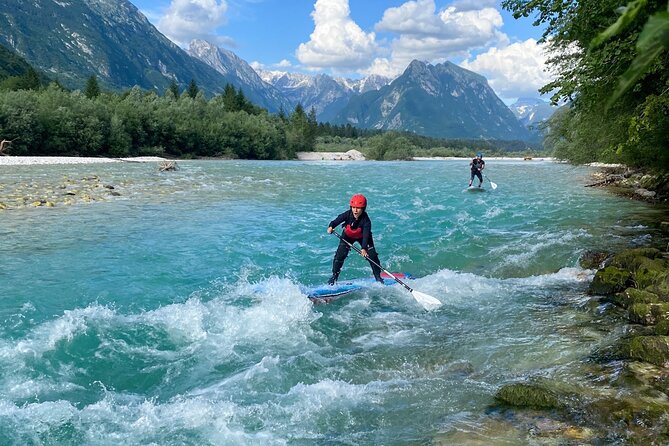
point(172, 314)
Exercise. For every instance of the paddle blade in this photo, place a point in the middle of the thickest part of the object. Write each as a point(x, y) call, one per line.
point(493, 185)
point(428, 302)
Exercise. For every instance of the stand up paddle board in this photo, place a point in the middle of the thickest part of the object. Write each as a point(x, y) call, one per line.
point(320, 294)
point(475, 189)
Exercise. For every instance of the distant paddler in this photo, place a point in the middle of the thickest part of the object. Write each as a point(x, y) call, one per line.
point(477, 165)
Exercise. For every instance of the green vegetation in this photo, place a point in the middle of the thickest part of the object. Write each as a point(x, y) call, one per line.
point(53, 121)
point(381, 145)
point(613, 72)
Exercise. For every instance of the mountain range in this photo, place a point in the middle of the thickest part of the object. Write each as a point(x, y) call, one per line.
point(442, 100)
point(111, 39)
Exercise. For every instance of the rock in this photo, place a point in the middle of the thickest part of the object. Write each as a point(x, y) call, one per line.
point(592, 259)
point(660, 288)
point(633, 296)
point(648, 314)
point(630, 258)
point(645, 193)
point(532, 395)
point(610, 280)
point(651, 349)
point(650, 272)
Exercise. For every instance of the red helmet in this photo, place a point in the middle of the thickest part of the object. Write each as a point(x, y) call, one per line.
point(358, 201)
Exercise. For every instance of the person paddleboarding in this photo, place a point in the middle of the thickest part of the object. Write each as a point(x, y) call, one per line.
point(357, 227)
point(477, 165)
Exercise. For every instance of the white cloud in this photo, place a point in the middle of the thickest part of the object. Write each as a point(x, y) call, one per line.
point(516, 70)
point(283, 63)
point(436, 36)
point(185, 20)
point(257, 65)
point(337, 42)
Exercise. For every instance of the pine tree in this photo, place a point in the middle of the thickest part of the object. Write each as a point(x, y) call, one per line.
point(92, 89)
point(31, 79)
point(193, 89)
point(174, 89)
point(230, 98)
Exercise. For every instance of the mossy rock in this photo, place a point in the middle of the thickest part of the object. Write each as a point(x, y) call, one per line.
point(662, 328)
point(661, 289)
point(610, 280)
point(631, 259)
point(651, 349)
point(530, 395)
point(643, 421)
point(648, 314)
point(633, 296)
point(650, 272)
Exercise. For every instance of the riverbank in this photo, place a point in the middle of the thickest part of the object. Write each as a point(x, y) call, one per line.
point(355, 155)
point(629, 182)
point(36, 160)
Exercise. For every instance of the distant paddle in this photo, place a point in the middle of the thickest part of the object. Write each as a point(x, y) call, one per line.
point(493, 185)
point(428, 302)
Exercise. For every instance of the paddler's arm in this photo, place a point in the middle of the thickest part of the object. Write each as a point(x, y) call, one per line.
point(341, 218)
point(366, 235)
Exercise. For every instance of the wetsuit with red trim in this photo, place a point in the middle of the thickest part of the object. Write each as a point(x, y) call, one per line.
point(360, 231)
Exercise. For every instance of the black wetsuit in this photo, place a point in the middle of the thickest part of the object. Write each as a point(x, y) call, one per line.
point(360, 231)
point(477, 166)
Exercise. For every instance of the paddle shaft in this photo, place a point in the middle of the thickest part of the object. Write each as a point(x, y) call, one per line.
point(494, 186)
point(355, 248)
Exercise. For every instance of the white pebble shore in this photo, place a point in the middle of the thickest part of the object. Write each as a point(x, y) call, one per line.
point(31, 160)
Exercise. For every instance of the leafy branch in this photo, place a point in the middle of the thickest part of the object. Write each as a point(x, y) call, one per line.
point(653, 40)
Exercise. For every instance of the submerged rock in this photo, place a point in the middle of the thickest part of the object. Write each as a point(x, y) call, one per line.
point(527, 395)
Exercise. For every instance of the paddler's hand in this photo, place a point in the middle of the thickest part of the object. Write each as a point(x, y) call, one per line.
point(330, 229)
point(363, 252)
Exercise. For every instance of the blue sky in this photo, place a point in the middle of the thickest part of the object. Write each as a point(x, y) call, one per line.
point(354, 38)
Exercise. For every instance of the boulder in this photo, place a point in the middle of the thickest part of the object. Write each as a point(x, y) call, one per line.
point(592, 259)
point(633, 296)
point(651, 349)
point(648, 314)
point(610, 280)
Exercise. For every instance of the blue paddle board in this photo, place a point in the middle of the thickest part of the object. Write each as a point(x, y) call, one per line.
point(327, 293)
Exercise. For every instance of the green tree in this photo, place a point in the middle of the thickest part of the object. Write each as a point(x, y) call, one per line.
point(173, 89)
point(589, 67)
point(389, 146)
point(92, 89)
point(299, 136)
point(192, 89)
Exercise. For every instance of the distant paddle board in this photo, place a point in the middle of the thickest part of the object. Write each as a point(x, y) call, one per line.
point(476, 189)
point(321, 294)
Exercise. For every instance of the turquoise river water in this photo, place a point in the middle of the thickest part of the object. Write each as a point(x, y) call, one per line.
point(172, 314)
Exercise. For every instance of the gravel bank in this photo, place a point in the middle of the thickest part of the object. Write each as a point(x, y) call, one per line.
point(30, 160)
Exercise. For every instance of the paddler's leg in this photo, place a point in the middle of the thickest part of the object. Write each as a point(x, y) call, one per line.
point(374, 256)
point(338, 261)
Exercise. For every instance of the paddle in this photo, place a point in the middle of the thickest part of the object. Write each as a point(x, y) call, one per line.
point(493, 185)
point(428, 302)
